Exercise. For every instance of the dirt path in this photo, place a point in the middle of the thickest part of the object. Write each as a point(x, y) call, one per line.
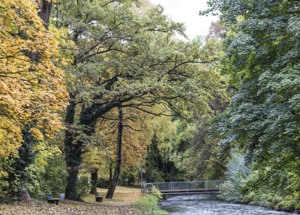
point(120, 205)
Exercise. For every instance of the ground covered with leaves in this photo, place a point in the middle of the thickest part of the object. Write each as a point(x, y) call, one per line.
point(122, 204)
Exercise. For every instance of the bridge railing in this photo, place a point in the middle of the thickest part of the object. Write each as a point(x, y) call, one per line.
point(184, 186)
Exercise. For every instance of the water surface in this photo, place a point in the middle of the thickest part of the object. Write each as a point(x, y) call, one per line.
point(208, 205)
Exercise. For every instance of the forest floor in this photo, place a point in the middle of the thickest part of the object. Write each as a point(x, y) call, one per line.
point(121, 204)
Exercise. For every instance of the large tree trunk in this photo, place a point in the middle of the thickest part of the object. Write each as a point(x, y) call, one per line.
point(45, 11)
point(94, 178)
point(71, 184)
point(72, 151)
point(115, 179)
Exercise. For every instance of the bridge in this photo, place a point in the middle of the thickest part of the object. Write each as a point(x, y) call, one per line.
point(184, 187)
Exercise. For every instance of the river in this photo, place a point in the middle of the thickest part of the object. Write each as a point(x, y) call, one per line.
point(208, 205)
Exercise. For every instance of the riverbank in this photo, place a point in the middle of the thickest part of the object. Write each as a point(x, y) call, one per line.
point(122, 203)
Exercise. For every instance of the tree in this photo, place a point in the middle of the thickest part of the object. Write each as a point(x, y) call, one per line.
point(163, 138)
point(117, 171)
point(127, 59)
point(32, 88)
point(263, 61)
point(198, 154)
point(109, 152)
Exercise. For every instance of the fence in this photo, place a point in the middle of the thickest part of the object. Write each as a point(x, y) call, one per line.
point(184, 187)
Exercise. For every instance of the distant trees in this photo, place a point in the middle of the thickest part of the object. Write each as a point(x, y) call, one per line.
point(191, 151)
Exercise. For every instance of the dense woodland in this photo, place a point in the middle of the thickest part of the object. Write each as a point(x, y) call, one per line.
point(99, 93)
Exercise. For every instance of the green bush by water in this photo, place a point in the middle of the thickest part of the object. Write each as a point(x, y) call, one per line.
point(266, 186)
point(148, 203)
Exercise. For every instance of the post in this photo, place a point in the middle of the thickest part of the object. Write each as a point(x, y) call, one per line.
point(141, 169)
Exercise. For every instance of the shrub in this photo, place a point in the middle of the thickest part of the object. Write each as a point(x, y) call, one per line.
point(83, 186)
point(236, 175)
point(103, 183)
point(55, 176)
point(148, 203)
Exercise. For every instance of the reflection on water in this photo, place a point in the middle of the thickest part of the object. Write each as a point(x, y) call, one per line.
point(208, 205)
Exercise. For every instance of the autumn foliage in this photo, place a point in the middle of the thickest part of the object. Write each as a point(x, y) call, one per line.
point(32, 90)
point(31, 85)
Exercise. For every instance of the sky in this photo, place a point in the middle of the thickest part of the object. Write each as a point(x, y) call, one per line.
point(187, 11)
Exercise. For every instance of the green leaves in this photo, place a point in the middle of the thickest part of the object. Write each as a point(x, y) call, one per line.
point(262, 57)
point(129, 57)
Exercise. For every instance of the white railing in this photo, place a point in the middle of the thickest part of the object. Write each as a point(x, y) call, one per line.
point(211, 186)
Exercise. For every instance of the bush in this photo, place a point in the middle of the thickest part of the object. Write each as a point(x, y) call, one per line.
point(83, 186)
point(45, 176)
point(148, 203)
point(103, 183)
point(236, 175)
point(55, 177)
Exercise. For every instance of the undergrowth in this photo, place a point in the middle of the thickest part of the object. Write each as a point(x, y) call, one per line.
point(148, 204)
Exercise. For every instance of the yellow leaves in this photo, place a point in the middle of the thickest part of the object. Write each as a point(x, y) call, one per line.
point(32, 89)
point(37, 134)
point(3, 174)
point(133, 146)
point(65, 62)
point(45, 151)
point(10, 137)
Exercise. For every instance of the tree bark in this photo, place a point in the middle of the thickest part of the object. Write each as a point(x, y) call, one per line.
point(25, 197)
point(71, 184)
point(45, 11)
point(94, 178)
point(115, 179)
point(110, 171)
point(72, 151)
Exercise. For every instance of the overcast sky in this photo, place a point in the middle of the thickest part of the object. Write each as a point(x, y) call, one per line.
point(187, 11)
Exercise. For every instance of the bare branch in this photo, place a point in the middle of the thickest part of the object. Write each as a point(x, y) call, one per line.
point(128, 126)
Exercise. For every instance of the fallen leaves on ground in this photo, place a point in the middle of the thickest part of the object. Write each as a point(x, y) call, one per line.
point(67, 207)
point(122, 205)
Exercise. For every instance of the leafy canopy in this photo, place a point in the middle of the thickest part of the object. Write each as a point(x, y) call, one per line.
point(262, 58)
